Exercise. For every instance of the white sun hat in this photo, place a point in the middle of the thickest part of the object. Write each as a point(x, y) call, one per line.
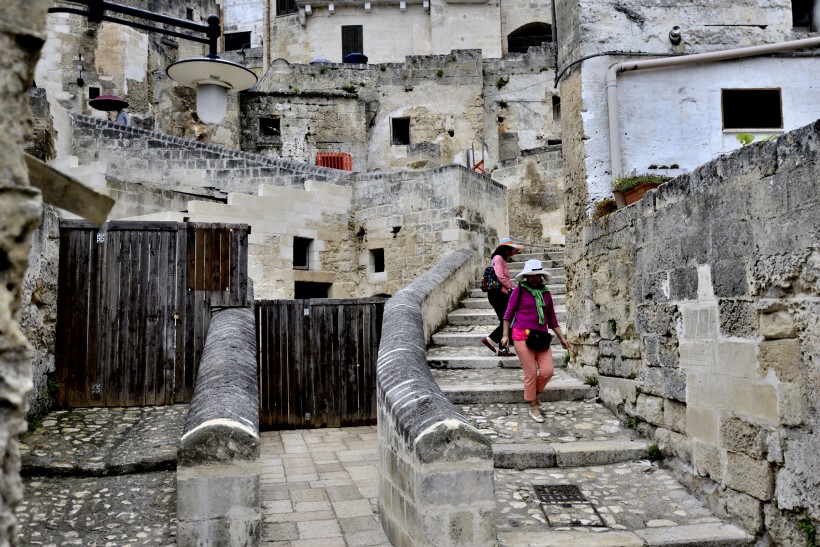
point(532, 267)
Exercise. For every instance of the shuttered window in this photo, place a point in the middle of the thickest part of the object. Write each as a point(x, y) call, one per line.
point(352, 40)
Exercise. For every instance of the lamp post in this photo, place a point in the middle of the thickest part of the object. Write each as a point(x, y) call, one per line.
point(211, 76)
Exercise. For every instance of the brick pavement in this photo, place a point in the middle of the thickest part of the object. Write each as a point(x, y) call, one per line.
point(320, 488)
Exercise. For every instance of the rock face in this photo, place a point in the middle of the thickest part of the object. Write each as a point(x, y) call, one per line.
point(697, 308)
point(21, 36)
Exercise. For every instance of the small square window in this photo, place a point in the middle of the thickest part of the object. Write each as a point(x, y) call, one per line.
point(284, 7)
point(802, 13)
point(301, 253)
point(93, 92)
point(189, 14)
point(237, 40)
point(751, 109)
point(401, 131)
point(307, 289)
point(377, 260)
point(270, 127)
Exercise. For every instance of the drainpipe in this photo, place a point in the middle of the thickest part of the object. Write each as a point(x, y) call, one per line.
point(616, 162)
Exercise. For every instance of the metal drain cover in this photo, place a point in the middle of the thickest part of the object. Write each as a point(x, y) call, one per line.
point(566, 505)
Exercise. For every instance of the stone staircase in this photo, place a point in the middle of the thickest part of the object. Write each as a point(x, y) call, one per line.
point(581, 477)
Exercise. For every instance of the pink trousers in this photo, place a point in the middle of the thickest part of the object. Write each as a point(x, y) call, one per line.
point(534, 382)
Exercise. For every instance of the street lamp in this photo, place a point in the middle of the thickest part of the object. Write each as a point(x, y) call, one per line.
point(211, 76)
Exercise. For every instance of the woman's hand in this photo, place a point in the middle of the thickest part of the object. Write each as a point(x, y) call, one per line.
point(567, 347)
point(505, 341)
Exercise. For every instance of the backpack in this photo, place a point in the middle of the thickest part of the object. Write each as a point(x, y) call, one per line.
point(489, 281)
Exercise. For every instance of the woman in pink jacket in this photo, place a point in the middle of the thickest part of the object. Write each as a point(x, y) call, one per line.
point(531, 306)
point(499, 298)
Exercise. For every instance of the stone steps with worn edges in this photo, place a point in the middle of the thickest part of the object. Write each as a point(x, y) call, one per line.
point(482, 303)
point(470, 316)
point(503, 385)
point(449, 357)
point(476, 292)
point(468, 335)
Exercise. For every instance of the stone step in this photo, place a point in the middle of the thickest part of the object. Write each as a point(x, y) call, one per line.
point(465, 316)
point(559, 389)
point(482, 303)
point(468, 335)
point(465, 357)
point(626, 504)
point(476, 292)
point(547, 254)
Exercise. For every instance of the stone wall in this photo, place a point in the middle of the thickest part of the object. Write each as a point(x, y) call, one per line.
point(21, 36)
point(419, 217)
point(436, 483)
point(697, 310)
point(412, 218)
point(535, 194)
point(138, 156)
point(38, 314)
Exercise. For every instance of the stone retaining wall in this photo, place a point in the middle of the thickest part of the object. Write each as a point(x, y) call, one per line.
point(218, 470)
point(137, 155)
point(697, 309)
point(436, 471)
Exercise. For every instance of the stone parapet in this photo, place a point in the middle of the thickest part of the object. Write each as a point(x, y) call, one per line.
point(436, 471)
point(696, 308)
point(218, 469)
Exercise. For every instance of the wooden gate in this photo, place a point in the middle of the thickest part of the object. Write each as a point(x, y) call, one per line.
point(317, 362)
point(133, 307)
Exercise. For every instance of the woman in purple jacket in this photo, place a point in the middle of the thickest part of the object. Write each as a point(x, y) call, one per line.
point(531, 306)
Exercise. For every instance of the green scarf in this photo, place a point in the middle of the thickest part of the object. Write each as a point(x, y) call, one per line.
point(538, 294)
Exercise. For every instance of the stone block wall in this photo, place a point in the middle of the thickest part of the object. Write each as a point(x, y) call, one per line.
point(22, 31)
point(697, 310)
point(419, 217)
point(140, 156)
point(412, 218)
point(535, 194)
point(436, 484)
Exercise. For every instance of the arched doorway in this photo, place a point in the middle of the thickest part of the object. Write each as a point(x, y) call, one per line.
point(525, 36)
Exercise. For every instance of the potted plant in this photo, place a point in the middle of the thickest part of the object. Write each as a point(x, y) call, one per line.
point(629, 189)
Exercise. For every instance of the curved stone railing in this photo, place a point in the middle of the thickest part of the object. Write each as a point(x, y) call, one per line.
point(436, 482)
point(218, 467)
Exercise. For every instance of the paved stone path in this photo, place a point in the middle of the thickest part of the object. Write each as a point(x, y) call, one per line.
point(320, 488)
point(101, 477)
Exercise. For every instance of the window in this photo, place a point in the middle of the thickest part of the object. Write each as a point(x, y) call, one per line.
point(306, 289)
point(284, 7)
point(270, 127)
point(93, 92)
point(530, 35)
point(352, 40)
point(401, 131)
point(301, 253)
point(236, 40)
point(556, 109)
point(751, 109)
point(189, 14)
point(802, 13)
point(377, 260)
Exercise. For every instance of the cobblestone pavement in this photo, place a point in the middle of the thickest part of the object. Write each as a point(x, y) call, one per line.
point(627, 496)
point(136, 509)
point(101, 477)
point(564, 421)
point(320, 488)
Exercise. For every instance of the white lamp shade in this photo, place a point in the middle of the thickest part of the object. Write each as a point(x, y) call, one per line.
point(212, 78)
point(211, 102)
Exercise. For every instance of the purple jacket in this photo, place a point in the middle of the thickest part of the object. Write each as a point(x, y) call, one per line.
point(526, 317)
